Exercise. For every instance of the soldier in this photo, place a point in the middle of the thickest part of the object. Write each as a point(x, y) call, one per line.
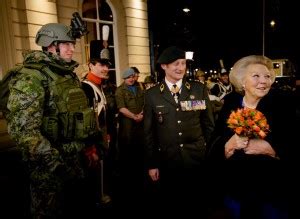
point(130, 102)
point(223, 86)
point(178, 122)
point(52, 124)
point(137, 75)
point(218, 92)
point(93, 86)
point(200, 76)
point(148, 82)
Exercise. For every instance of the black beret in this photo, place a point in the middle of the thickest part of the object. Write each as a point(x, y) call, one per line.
point(170, 55)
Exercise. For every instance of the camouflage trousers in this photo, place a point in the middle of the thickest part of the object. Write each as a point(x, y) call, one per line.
point(49, 190)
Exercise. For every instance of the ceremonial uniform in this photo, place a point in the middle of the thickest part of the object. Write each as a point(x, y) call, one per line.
point(178, 122)
point(176, 133)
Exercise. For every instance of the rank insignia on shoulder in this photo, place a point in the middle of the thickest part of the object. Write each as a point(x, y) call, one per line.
point(162, 87)
point(188, 86)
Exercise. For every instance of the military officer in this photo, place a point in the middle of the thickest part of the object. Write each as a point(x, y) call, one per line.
point(178, 121)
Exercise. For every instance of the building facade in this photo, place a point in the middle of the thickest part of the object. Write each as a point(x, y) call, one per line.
point(127, 21)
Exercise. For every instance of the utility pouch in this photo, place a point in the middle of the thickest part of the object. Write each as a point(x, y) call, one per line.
point(84, 123)
point(50, 127)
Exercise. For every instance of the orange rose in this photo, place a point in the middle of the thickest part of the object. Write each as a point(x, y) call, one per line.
point(248, 122)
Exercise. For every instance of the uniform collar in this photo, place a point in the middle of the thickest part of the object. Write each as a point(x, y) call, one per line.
point(169, 84)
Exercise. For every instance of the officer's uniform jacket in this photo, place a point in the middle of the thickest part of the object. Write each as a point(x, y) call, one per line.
point(176, 134)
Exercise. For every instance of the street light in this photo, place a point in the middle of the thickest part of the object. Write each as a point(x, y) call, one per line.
point(272, 23)
point(186, 10)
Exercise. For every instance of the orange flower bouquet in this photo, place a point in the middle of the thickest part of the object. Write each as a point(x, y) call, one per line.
point(249, 123)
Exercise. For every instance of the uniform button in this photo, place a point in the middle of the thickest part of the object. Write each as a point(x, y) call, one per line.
point(177, 109)
point(181, 145)
point(179, 121)
point(180, 133)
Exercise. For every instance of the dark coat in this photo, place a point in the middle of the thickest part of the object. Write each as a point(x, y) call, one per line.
point(173, 137)
point(279, 111)
point(259, 177)
point(129, 130)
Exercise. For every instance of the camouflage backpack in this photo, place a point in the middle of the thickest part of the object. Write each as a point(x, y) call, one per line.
point(4, 89)
point(5, 141)
point(19, 69)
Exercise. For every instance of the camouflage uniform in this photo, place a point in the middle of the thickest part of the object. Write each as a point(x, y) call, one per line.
point(50, 163)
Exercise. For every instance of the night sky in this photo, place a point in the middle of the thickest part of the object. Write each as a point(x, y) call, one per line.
point(225, 29)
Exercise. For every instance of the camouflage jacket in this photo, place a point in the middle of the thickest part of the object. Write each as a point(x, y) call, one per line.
point(26, 105)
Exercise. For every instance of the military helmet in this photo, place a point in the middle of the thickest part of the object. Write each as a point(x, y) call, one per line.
point(53, 32)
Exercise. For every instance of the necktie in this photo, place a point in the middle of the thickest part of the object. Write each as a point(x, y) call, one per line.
point(175, 92)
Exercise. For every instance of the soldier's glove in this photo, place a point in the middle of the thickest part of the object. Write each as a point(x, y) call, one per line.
point(92, 156)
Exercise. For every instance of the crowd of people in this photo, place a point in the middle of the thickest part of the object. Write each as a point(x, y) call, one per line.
point(146, 145)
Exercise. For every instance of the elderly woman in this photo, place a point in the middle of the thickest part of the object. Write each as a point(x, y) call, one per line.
point(252, 77)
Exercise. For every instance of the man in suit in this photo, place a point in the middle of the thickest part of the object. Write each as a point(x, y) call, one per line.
point(178, 122)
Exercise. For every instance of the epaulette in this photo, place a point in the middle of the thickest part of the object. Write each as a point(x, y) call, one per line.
point(187, 85)
point(162, 87)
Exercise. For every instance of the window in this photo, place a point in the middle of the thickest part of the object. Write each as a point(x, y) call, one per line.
point(97, 13)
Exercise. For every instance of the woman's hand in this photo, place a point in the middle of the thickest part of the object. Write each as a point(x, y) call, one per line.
point(154, 174)
point(259, 146)
point(235, 143)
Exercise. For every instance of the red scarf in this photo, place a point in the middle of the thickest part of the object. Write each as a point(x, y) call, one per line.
point(93, 78)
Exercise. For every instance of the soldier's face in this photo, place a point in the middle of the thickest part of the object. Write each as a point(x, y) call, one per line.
point(130, 80)
point(136, 76)
point(99, 70)
point(224, 78)
point(175, 70)
point(66, 51)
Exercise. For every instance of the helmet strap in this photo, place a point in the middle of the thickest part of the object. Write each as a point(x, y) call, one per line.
point(56, 48)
